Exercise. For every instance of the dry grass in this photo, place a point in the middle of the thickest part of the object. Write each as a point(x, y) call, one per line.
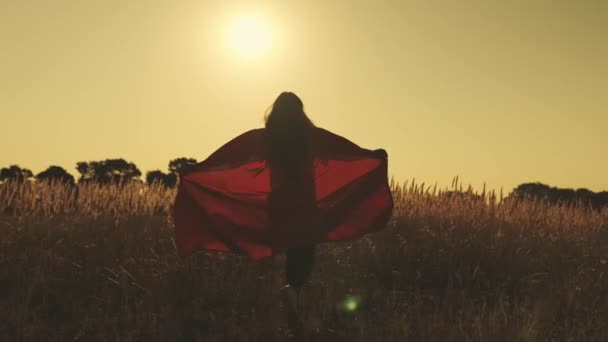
point(102, 266)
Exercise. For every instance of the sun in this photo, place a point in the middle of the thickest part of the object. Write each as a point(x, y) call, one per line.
point(249, 36)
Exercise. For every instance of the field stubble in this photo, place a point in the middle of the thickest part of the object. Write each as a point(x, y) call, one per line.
point(100, 263)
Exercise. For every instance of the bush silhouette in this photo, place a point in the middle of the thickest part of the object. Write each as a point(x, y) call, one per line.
point(181, 165)
point(556, 195)
point(167, 179)
point(108, 171)
point(15, 173)
point(56, 173)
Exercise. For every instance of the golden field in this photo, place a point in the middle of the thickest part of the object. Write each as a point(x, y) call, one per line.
point(102, 266)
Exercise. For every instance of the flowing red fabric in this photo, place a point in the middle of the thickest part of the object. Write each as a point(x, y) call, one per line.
point(234, 201)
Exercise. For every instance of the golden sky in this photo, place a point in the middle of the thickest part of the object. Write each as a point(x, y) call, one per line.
point(502, 92)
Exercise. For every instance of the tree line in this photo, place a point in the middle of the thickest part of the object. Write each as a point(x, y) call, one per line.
point(121, 171)
point(555, 195)
point(544, 192)
point(102, 172)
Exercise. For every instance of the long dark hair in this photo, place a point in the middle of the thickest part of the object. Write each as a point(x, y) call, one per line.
point(287, 126)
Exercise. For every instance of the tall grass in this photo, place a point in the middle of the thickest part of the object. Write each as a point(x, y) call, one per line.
point(97, 262)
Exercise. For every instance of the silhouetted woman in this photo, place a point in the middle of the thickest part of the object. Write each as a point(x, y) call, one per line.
point(282, 188)
point(291, 203)
point(292, 198)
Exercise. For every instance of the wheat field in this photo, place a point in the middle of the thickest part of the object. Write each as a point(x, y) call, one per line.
point(99, 263)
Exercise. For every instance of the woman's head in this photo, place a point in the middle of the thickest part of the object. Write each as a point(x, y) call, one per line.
point(288, 102)
point(286, 128)
point(287, 118)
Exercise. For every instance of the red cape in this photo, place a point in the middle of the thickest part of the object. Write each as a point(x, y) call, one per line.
point(235, 202)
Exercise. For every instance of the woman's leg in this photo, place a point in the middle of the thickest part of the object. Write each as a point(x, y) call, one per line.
point(298, 266)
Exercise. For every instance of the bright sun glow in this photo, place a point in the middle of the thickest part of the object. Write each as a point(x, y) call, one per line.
point(249, 36)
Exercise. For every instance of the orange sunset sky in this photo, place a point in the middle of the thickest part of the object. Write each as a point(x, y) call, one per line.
point(502, 92)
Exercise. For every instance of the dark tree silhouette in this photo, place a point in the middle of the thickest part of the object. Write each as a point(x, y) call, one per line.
point(560, 196)
point(181, 165)
point(108, 171)
point(585, 195)
point(154, 176)
point(167, 179)
point(600, 200)
point(15, 173)
point(532, 191)
point(56, 173)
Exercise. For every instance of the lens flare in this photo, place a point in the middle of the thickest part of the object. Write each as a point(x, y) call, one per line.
point(351, 303)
